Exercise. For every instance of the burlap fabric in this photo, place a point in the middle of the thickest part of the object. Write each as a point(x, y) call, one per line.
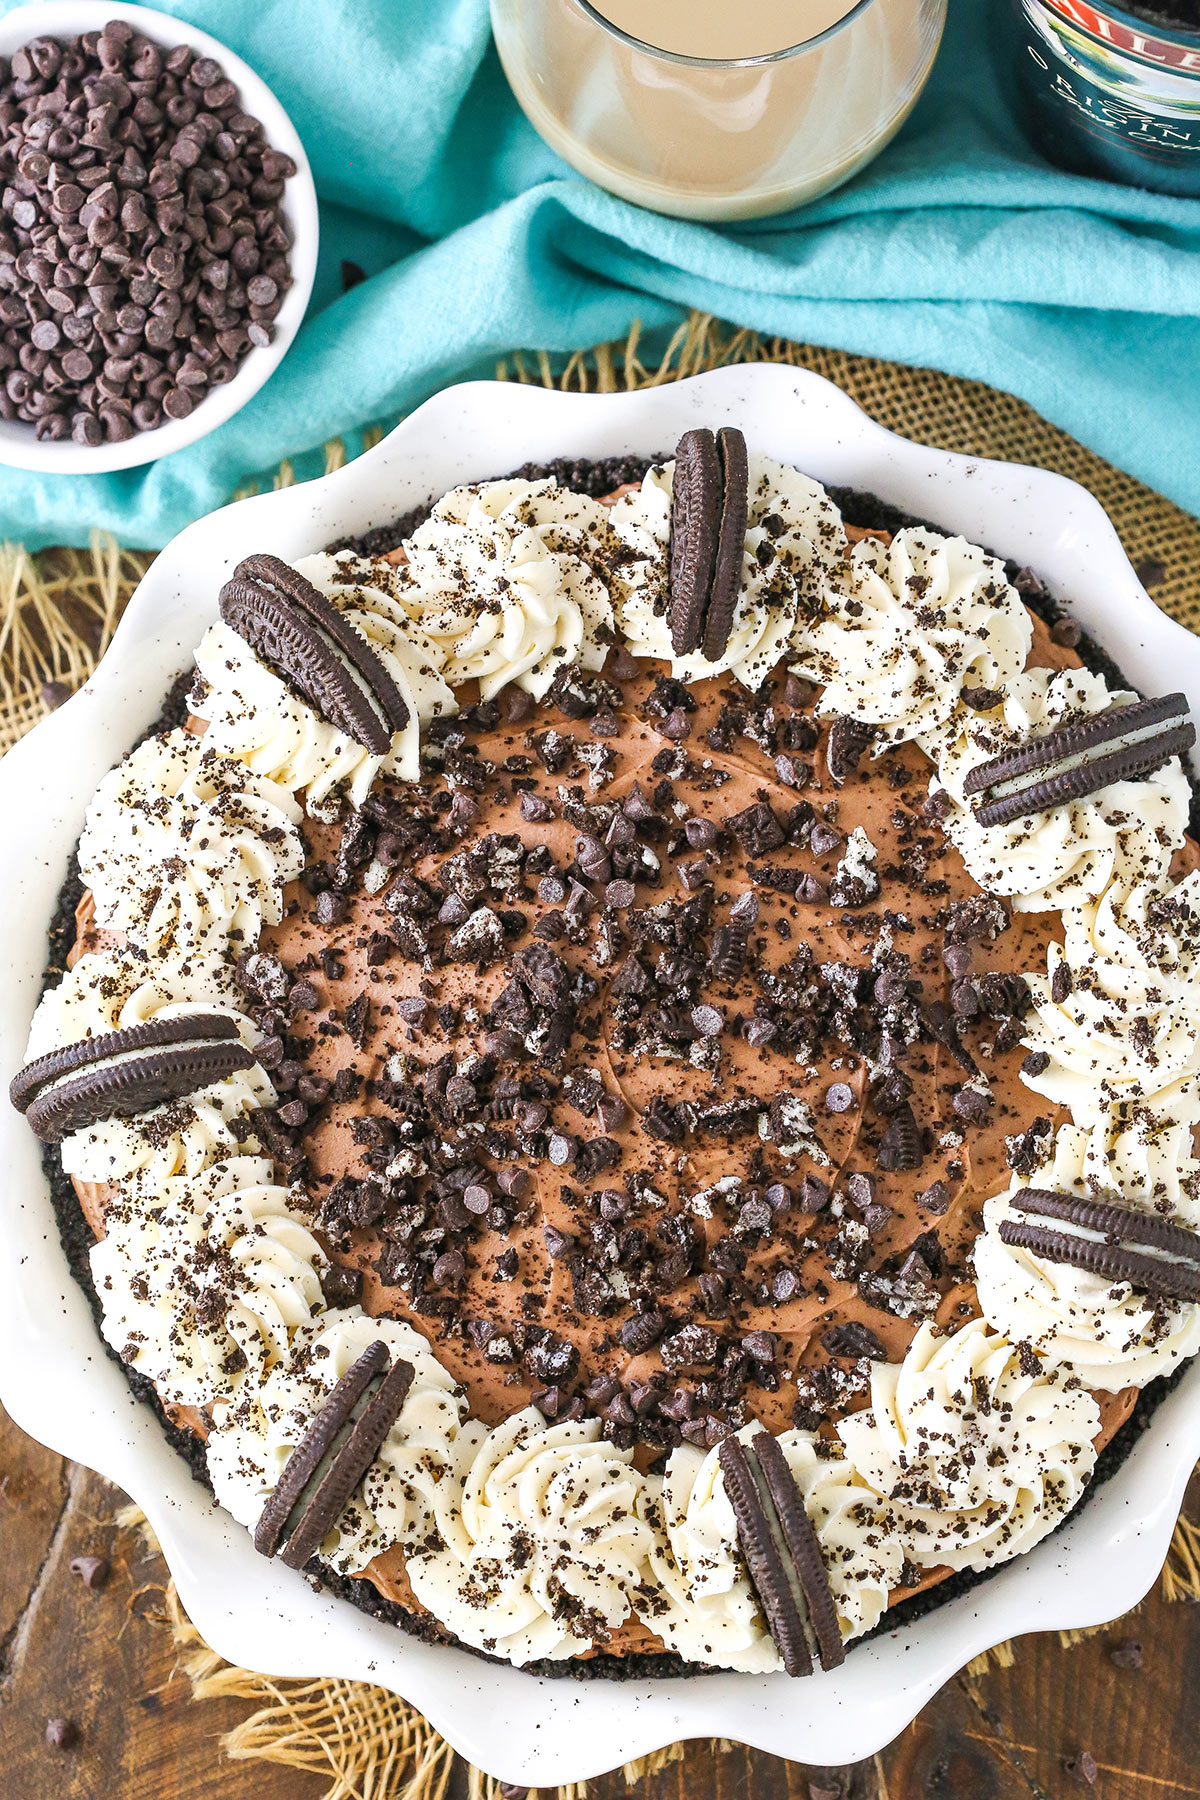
point(58, 610)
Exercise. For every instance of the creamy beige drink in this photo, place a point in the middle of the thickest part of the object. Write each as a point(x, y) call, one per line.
point(710, 111)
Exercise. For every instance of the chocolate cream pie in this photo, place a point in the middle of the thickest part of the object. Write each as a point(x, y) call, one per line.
point(632, 1066)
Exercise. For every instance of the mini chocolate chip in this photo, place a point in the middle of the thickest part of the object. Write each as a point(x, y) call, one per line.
point(839, 1097)
point(814, 1193)
point(62, 1734)
point(562, 1148)
point(700, 833)
point(824, 838)
point(935, 1198)
point(1067, 632)
point(798, 692)
point(1126, 1653)
point(342, 1286)
point(958, 959)
point(810, 891)
point(620, 893)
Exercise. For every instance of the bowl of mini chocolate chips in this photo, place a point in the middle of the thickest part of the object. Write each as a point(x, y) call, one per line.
point(158, 235)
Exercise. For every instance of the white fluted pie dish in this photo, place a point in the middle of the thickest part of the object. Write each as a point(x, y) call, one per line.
point(54, 1375)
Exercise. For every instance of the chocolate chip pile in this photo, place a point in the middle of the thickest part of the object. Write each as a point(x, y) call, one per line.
point(143, 251)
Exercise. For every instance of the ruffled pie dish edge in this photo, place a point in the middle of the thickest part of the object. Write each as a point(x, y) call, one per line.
point(861, 509)
point(841, 438)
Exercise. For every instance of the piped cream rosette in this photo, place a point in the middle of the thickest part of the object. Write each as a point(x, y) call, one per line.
point(700, 1601)
point(253, 715)
point(510, 581)
point(1116, 1017)
point(185, 850)
point(115, 989)
point(910, 625)
point(255, 1433)
point(1069, 854)
point(202, 1290)
point(1102, 1331)
point(794, 538)
point(977, 1448)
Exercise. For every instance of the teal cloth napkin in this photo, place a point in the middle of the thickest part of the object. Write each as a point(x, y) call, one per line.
point(960, 248)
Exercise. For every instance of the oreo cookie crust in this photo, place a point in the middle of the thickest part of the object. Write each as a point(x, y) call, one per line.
point(1078, 760)
point(305, 639)
point(127, 1072)
point(1119, 1243)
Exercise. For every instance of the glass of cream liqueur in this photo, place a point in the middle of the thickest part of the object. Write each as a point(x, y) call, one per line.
point(711, 109)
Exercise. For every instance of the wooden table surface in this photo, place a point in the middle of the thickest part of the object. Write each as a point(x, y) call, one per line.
point(104, 1658)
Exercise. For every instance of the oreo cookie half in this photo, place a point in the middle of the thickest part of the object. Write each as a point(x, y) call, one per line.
point(696, 493)
point(783, 1557)
point(1156, 1257)
point(126, 1072)
point(305, 639)
point(1077, 760)
point(731, 542)
point(331, 1459)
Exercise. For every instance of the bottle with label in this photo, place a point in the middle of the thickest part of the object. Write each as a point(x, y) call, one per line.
point(713, 111)
point(1106, 91)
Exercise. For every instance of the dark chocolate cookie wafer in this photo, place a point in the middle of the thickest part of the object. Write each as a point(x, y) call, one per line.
point(802, 1547)
point(695, 522)
point(1078, 760)
point(127, 1072)
point(369, 1423)
point(309, 1459)
point(1167, 1267)
point(731, 542)
point(783, 1557)
point(305, 639)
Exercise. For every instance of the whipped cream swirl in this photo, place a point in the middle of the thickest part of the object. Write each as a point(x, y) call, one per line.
point(700, 1601)
point(1118, 1013)
point(794, 536)
point(1067, 856)
point(1102, 1331)
point(911, 624)
point(118, 987)
point(510, 581)
point(186, 850)
point(541, 1539)
point(256, 717)
point(978, 1450)
point(254, 1434)
point(115, 989)
point(203, 1283)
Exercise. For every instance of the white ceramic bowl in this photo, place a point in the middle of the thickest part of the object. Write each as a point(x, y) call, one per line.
point(20, 448)
point(54, 1377)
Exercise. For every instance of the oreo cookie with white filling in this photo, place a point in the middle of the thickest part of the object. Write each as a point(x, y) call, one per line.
point(731, 543)
point(783, 1557)
point(305, 639)
point(1120, 1243)
point(696, 490)
point(331, 1459)
point(1078, 760)
point(123, 1073)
